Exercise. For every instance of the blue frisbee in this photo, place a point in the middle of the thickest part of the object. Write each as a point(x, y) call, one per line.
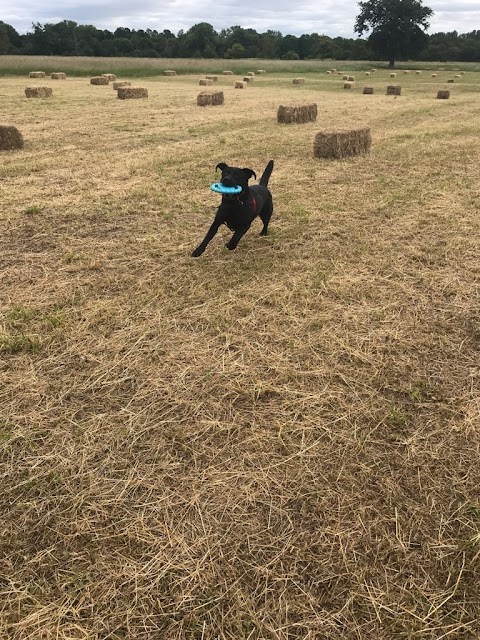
point(218, 187)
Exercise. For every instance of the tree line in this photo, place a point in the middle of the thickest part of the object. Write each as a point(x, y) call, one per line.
point(67, 38)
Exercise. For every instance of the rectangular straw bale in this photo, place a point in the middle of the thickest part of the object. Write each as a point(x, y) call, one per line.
point(203, 82)
point(169, 72)
point(212, 78)
point(212, 98)
point(261, 71)
point(394, 90)
point(248, 79)
point(36, 74)
point(345, 77)
point(100, 80)
point(123, 83)
point(240, 85)
point(367, 90)
point(351, 78)
point(111, 76)
point(297, 114)
point(250, 73)
point(10, 138)
point(59, 75)
point(443, 94)
point(299, 81)
point(393, 75)
point(451, 81)
point(341, 143)
point(131, 93)
point(347, 85)
point(227, 73)
point(38, 92)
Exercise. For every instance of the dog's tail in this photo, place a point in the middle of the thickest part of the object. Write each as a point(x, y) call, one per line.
point(266, 174)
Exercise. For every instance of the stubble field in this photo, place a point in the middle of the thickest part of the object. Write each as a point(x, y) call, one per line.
point(275, 443)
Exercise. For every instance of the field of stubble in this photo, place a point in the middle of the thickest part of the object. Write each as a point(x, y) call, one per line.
point(280, 442)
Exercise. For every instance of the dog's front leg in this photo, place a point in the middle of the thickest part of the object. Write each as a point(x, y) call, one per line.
point(210, 233)
point(237, 236)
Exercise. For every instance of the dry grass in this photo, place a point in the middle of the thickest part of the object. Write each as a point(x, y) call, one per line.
point(273, 443)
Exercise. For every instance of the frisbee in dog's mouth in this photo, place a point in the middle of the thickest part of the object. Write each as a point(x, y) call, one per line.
point(218, 187)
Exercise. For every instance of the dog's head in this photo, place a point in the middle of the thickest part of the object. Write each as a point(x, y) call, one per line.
point(234, 176)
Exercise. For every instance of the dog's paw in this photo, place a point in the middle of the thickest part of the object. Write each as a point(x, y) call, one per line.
point(197, 252)
point(231, 247)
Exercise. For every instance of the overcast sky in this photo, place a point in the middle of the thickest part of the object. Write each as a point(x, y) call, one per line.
point(329, 17)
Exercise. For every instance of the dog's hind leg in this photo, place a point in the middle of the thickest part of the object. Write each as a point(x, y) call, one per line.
point(265, 215)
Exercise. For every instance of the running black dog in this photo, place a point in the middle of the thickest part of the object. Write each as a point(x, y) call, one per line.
point(240, 210)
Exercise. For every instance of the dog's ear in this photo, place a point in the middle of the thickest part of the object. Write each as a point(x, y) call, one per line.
point(222, 166)
point(250, 173)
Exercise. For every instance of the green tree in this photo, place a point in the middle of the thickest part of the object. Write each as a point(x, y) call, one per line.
point(10, 41)
point(397, 27)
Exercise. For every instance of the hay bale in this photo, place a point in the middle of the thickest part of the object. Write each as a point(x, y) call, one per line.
point(169, 72)
point(119, 85)
point(10, 138)
point(36, 74)
point(297, 114)
point(394, 90)
point(132, 93)
point(248, 79)
point(333, 70)
point(99, 80)
point(111, 76)
point(418, 73)
point(261, 71)
point(205, 83)
point(367, 90)
point(405, 73)
point(462, 73)
point(240, 85)
point(328, 73)
point(351, 79)
point(341, 143)
point(299, 81)
point(347, 85)
point(393, 75)
point(212, 98)
point(250, 73)
point(367, 73)
point(457, 76)
point(451, 81)
point(344, 77)
point(434, 75)
point(59, 75)
point(212, 78)
point(443, 94)
point(373, 70)
point(227, 73)
point(38, 92)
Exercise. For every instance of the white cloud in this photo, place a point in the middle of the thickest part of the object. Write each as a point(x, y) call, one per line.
point(333, 18)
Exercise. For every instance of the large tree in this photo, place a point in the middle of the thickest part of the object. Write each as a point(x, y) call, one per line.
point(397, 27)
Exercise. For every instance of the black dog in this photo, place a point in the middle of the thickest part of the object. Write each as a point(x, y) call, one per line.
point(240, 210)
